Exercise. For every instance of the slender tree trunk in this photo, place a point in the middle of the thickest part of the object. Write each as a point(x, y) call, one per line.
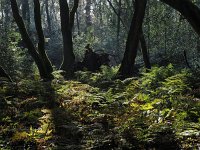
point(127, 65)
point(29, 44)
point(67, 23)
point(118, 21)
point(148, 27)
point(41, 43)
point(48, 15)
point(26, 14)
point(144, 51)
point(119, 29)
point(198, 46)
point(78, 23)
point(165, 34)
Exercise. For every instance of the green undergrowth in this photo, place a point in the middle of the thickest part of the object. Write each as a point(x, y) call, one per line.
point(160, 109)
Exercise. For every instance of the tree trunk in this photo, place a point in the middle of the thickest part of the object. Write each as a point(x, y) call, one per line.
point(186, 60)
point(189, 10)
point(29, 44)
point(118, 26)
point(41, 38)
point(127, 65)
point(88, 18)
point(78, 23)
point(48, 15)
point(198, 46)
point(67, 23)
point(144, 51)
point(26, 13)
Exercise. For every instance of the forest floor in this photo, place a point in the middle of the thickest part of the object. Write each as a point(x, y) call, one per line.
point(155, 110)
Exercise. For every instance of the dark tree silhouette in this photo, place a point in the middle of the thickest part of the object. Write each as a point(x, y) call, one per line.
point(67, 23)
point(144, 51)
point(39, 55)
point(127, 65)
point(26, 14)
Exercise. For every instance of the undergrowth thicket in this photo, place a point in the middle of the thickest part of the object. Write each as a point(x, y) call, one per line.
point(159, 109)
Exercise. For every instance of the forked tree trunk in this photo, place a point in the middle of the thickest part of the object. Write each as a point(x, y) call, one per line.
point(44, 69)
point(67, 23)
point(41, 44)
point(127, 65)
point(142, 40)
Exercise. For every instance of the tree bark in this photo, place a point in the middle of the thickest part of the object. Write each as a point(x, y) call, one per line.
point(48, 15)
point(29, 44)
point(41, 38)
point(118, 21)
point(186, 60)
point(189, 10)
point(67, 23)
point(127, 65)
point(142, 39)
point(26, 13)
point(144, 51)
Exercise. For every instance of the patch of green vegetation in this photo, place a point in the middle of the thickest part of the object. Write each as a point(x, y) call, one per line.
point(157, 110)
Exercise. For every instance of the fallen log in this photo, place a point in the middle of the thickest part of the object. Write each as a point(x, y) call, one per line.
point(92, 61)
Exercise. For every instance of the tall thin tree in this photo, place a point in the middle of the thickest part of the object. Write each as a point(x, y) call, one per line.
point(67, 23)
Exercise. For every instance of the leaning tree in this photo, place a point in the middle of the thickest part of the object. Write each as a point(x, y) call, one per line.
point(38, 54)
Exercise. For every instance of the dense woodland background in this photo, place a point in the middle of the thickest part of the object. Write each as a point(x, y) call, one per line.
point(100, 74)
point(169, 38)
